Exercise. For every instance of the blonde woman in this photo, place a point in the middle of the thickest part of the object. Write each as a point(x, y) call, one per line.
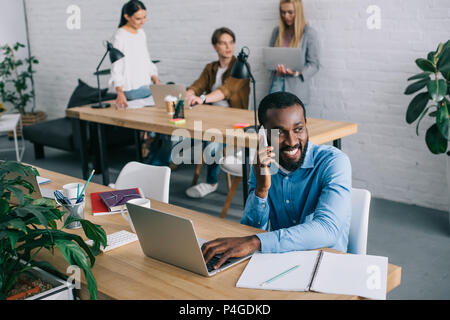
point(294, 32)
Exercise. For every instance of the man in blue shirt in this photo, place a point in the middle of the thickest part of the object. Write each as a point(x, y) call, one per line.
point(306, 204)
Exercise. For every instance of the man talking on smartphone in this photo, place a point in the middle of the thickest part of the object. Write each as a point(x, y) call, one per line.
point(306, 203)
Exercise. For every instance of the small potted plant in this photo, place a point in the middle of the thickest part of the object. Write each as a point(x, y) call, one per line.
point(434, 100)
point(31, 225)
point(15, 76)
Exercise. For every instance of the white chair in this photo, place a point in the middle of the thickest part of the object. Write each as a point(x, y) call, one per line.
point(359, 225)
point(153, 180)
point(232, 165)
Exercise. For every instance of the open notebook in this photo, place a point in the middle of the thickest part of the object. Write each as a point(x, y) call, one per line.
point(319, 271)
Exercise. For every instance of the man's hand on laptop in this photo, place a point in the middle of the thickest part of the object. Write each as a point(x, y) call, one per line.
point(230, 248)
point(193, 100)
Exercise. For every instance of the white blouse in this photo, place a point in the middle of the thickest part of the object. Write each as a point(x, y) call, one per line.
point(136, 68)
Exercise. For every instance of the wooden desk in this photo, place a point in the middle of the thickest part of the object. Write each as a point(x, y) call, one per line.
point(126, 273)
point(199, 120)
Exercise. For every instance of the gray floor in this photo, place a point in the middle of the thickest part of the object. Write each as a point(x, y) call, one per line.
point(416, 238)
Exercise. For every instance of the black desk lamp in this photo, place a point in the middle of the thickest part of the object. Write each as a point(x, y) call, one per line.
point(241, 70)
point(114, 55)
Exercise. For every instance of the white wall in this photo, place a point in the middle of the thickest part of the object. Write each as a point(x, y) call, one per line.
point(12, 28)
point(362, 79)
point(12, 22)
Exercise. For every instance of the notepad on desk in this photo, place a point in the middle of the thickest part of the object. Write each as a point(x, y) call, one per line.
point(319, 271)
point(140, 103)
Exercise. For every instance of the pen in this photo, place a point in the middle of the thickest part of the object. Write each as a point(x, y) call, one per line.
point(61, 198)
point(84, 188)
point(279, 275)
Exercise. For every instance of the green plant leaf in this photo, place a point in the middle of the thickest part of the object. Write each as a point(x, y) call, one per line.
point(93, 231)
point(75, 256)
point(421, 117)
point(4, 208)
point(425, 65)
point(32, 210)
point(13, 237)
point(17, 192)
point(416, 86)
point(50, 203)
point(17, 224)
point(421, 75)
point(416, 107)
point(443, 64)
point(437, 89)
point(435, 141)
point(443, 121)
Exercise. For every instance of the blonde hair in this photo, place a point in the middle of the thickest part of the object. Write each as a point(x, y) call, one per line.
point(299, 24)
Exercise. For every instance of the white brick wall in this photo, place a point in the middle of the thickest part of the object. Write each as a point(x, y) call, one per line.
point(362, 79)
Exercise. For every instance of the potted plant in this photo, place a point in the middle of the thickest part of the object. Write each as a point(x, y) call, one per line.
point(15, 75)
point(434, 100)
point(31, 225)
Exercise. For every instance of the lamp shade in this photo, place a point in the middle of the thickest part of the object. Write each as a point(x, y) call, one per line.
point(114, 54)
point(241, 68)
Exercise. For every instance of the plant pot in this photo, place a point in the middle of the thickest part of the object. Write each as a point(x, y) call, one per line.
point(28, 119)
point(61, 290)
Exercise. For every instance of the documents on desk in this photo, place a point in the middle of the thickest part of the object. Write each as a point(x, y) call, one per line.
point(140, 103)
point(319, 271)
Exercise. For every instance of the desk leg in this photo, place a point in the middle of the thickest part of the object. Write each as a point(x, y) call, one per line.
point(79, 135)
point(137, 142)
point(245, 174)
point(102, 153)
point(16, 146)
point(337, 143)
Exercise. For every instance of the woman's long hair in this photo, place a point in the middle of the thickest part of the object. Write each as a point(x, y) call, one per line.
point(130, 8)
point(299, 24)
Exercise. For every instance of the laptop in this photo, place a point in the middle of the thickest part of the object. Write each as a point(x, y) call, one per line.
point(291, 57)
point(172, 239)
point(160, 91)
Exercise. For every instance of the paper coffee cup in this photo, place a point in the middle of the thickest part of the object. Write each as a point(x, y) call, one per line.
point(143, 202)
point(170, 102)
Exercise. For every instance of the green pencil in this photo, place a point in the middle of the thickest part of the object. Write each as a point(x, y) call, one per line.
point(89, 179)
point(279, 275)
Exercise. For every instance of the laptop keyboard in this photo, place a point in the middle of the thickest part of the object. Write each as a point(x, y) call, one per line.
point(213, 261)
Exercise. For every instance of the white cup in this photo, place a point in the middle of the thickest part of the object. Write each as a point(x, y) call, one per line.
point(70, 190)
point(143, 202)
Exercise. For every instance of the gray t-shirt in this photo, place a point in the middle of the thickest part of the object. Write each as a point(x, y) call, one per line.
point(218, 84)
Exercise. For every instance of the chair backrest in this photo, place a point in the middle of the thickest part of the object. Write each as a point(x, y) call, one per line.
point(153, 180)
point(357, 239)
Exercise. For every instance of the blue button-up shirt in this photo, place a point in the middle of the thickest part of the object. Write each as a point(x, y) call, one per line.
point(306, 209)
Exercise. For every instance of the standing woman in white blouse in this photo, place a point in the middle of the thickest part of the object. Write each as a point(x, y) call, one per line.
point(132, 75)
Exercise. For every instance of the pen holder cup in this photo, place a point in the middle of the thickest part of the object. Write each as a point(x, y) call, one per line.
point(75, 210)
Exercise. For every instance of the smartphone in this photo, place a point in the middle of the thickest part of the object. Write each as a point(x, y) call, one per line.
point(264, 144)
point(263, 137)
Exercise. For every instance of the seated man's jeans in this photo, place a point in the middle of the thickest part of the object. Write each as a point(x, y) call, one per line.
point(212, 170)
point(140, 93)
point(161, 150)
point(277, 84)
point(161, 155)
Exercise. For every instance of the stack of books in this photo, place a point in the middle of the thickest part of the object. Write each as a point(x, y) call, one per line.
point(111, 202)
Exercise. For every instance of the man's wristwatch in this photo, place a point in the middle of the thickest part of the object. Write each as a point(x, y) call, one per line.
point(203, 97)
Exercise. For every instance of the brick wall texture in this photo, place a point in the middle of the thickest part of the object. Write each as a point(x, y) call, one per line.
point(363, 76)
